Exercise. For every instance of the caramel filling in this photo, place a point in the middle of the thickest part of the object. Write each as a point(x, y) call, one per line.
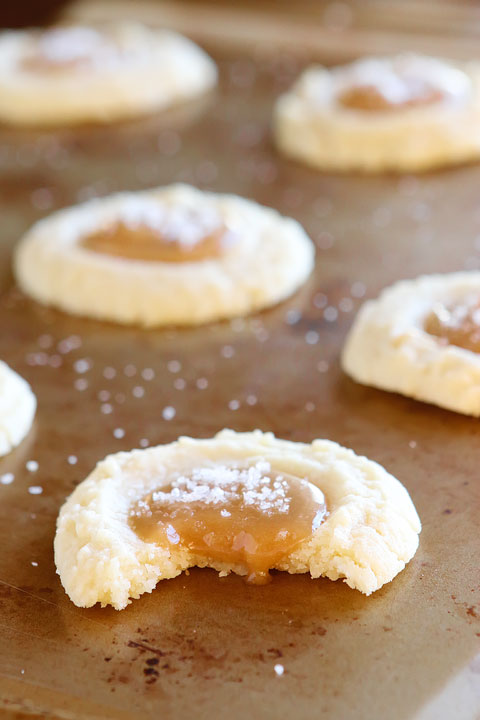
point(252, 517)
point(151, 244)
point(69, 48)
point(456, 325)
point(377, 98)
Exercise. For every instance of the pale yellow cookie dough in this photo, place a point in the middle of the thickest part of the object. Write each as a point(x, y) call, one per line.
point(370, 532)
point(100, 74)
point(389, 348)
point(17, 408)
point(268, 261)
point(312, 125)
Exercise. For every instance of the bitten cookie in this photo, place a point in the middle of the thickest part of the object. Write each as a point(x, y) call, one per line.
point(405, 113)
point(169, 256)
point(73, 74)
point(238, 502)
point(421, 338)
point(17, 408)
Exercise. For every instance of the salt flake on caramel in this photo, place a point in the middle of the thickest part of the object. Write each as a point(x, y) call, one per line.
point(375, 98)
point(403, 83)
point(250, 517)
point(69, 48)
point(156, 233)
point(457, 324)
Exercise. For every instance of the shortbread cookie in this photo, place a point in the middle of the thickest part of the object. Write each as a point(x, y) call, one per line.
point(404, 113)
point(172, 255)
point(73, 74)
point(258, 503)
point(17, 408)
point(421, 338)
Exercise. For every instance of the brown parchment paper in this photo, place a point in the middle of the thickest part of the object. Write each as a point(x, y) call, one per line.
point(200, 646)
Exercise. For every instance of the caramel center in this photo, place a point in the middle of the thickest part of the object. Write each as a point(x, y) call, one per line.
point(252, 517)
point(456, 325)
point(154, 244)
point(68, 48)
point(377, 98)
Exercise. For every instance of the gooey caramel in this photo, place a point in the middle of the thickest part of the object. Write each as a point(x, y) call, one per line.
point(376, 98)
point(456, 325)
point(145, 243)
point(156, 234)
point(69, 48)
point(249, 517)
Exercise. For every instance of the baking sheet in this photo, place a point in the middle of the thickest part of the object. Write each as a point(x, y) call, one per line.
point(217, 641)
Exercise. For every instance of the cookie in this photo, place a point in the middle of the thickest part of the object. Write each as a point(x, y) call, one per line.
point(74, 74)
point(404, 113)
point(238, 502)
point(169, 256)
point(17, 408)
point(421, 338)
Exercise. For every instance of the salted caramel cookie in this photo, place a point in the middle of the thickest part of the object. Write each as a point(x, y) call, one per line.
point(421, 338)
point(73, 74)
point(405, 113)
point(17, 408)
point(239, 502)
point(172, 255)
